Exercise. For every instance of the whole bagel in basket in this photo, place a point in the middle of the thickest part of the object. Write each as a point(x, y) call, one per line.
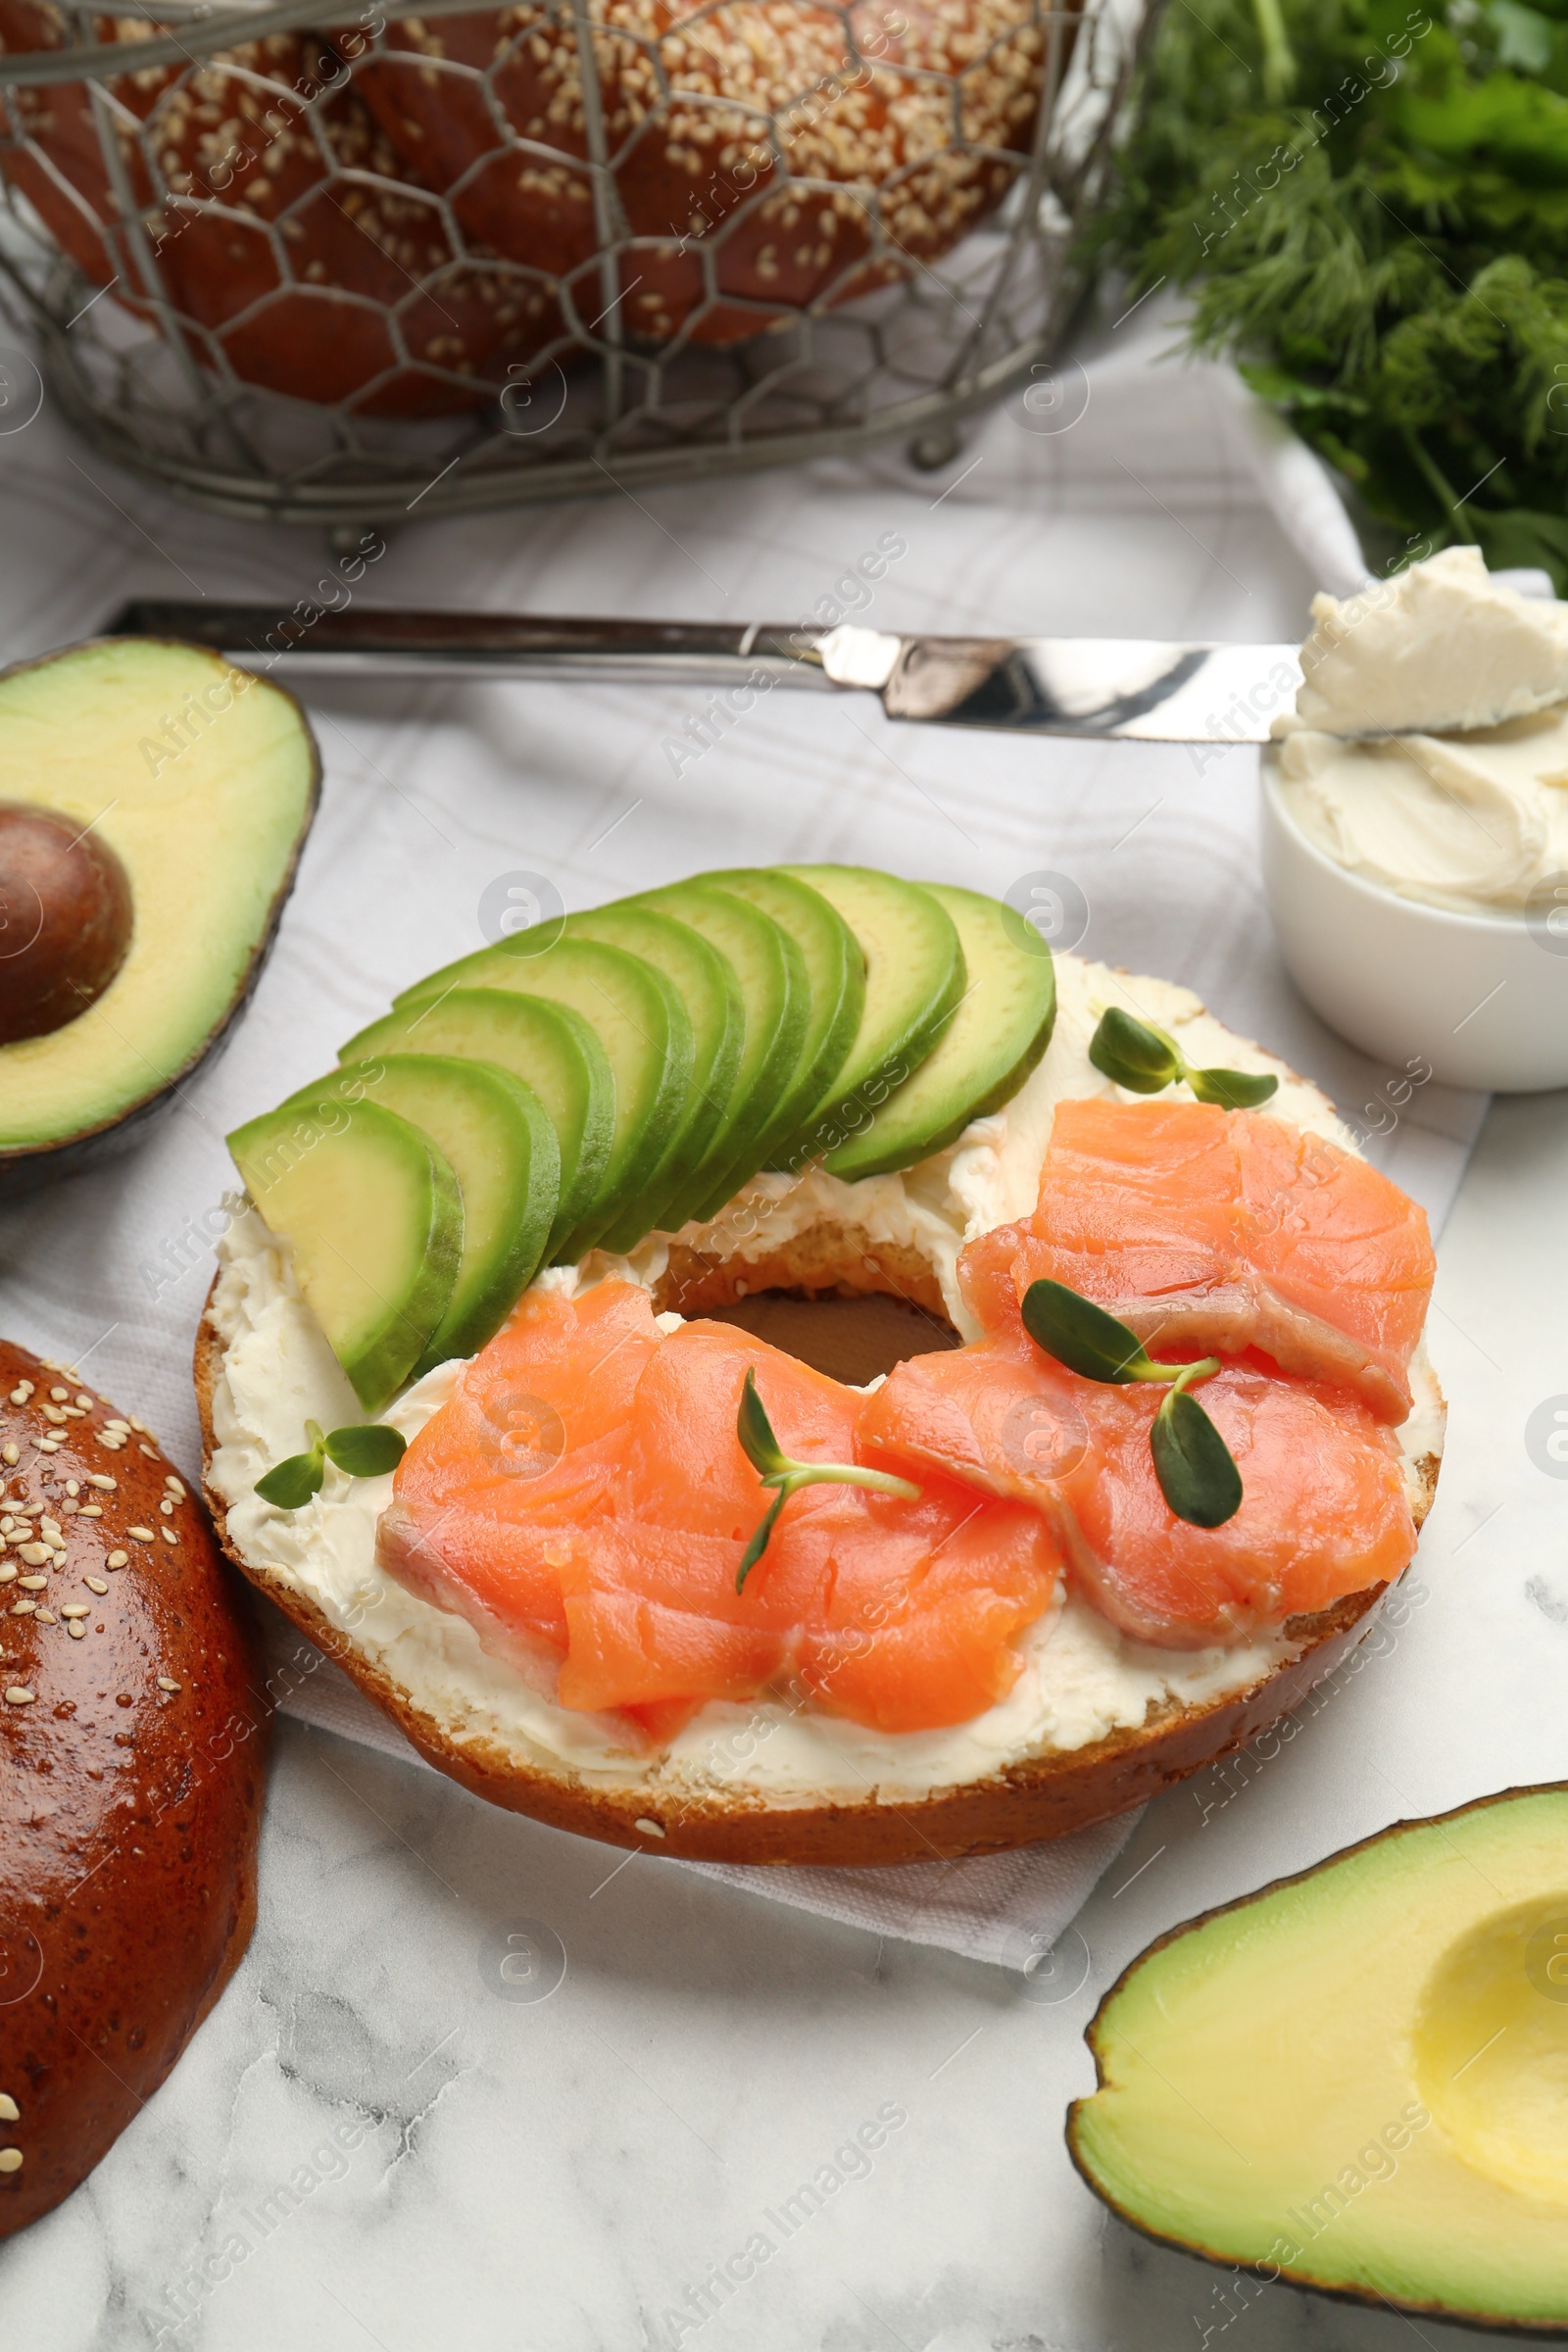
point(288, 243)
point(1106, 1720)
point(132, 1741)
point(763, 152)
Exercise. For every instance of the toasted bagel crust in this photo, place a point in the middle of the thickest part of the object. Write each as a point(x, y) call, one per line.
point(1044, 1797)
point(133, 1784)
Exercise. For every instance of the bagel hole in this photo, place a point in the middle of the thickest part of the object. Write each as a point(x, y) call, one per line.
point(851, 1336)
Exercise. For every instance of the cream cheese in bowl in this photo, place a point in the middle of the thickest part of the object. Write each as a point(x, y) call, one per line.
point(1415, 825)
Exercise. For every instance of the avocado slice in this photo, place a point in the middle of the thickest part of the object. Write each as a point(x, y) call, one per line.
point(502, 1149)
point(639, 1019)
point(775, 994)
point(835, 969)
point(990, 1042)
point(1354, 2079)
point(555, 1053)
point(706, 986)
point(198, 782)
point(914, 976)
point(374, 1218)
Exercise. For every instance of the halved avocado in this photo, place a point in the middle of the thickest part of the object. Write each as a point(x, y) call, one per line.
point(1356, 2079)
point(153, 805)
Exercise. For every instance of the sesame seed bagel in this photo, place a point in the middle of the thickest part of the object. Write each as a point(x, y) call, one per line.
point(329, 277)
point(764, 152)
point(880, 1799)
point(132, 1743)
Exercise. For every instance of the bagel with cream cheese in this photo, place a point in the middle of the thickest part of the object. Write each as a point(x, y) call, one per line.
point(1096, 1719)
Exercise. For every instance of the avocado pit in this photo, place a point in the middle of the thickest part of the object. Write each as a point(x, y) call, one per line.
point(66, 921)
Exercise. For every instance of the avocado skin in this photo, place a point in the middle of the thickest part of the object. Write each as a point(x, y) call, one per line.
point(1479, 2322)
point(30, 1170)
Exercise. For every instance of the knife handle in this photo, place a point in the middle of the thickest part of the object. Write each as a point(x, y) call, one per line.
point(359, 640)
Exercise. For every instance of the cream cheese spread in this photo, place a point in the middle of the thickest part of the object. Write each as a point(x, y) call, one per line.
point(1439, 649)
point(1080, 1678)
point(1457, 791)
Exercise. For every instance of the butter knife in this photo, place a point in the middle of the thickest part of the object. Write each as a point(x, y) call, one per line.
point(1100, 688)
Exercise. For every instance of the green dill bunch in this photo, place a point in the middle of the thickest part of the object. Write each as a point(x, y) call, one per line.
point(1367, 204)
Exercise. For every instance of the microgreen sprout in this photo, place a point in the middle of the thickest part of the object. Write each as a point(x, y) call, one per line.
point(1145, 1060)
point(1193, 1463)
point(366, 1449)
point(775, 1469)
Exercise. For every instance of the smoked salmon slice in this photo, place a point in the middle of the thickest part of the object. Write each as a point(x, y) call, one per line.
point(1323, 1511)
point(1208, 1231)
point(607, 1563)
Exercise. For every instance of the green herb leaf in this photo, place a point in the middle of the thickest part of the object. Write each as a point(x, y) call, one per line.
point(774, 1467)
point(1192, 1462)
point(292, 1483)
point(364, 1450)
point(758, 1542)
point(1145, 1060)
point(1083, 1337)
point(367, 1449)
point(1232, 1090)
point(755, 1432)
point(1142, 1059)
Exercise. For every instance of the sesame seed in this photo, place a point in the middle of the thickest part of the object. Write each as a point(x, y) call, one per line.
point(25, 1608)
point(8, 1453)
point(75, 1608)
point(8, 1576)
point(47, 1445)
point(115, 1422)
point(49, 1527)
point(10, 2112)
point(90, 1510)
point(164, 1684)
point(60, 1395)
point(174, 1487)
point(52, 1412)
point(72, 1488)
point(142, 1535)
point(45, 1617)
point(101, 1478)
point(33, 1584)
point(10, 2158)
point(151, 1451)
point(166, 1507)
point(19, 1396)
point(85, 1403)
point(76, 1629)
point(118, 1559)
point(36, 1556)
point(169, 1535)
point(19, 1695)
point(650, 1829)
point(95, 1584)
point(141, 1425)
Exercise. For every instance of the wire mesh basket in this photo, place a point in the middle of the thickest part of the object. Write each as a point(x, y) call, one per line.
point(334, 269)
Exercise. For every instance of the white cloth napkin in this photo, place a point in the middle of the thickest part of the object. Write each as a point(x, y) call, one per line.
point(1170, 506)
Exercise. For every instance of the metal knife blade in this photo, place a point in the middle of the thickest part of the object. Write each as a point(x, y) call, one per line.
point(1098, 688)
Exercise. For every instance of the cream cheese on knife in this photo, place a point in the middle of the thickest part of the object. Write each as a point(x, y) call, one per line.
point(1429, 748)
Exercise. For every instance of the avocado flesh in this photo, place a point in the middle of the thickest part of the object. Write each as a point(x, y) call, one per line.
point(208, 836)
point(987, 1044)
point(1359, 2076)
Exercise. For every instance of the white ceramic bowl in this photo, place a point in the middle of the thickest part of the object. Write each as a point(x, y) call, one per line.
point(1483, 998)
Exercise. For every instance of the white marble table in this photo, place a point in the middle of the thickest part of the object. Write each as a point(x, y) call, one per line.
point(380, 2139)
